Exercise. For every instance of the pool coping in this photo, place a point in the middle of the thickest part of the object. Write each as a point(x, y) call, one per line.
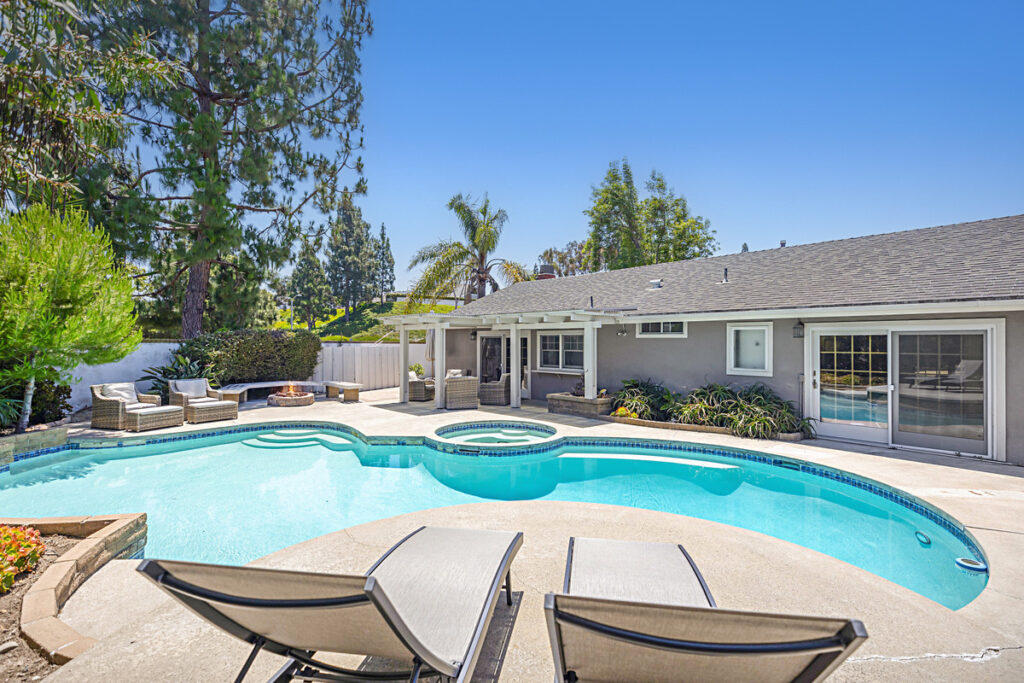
point(894, 494)
point(103, 538)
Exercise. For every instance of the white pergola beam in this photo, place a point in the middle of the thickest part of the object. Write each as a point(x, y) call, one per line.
point(439, 366)
point(515, 391)
point(403, 363)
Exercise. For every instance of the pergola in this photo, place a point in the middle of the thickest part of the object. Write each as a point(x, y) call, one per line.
point(587, 320)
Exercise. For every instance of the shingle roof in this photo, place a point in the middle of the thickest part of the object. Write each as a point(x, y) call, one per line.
point(978, 261)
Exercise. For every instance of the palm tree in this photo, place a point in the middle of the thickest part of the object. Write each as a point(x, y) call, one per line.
point(454, 266)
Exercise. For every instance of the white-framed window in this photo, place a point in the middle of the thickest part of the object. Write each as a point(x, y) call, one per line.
point(749, 349)
point(661, 329)
point(561, 351)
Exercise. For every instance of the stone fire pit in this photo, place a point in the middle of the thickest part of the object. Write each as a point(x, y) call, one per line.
point(290, 398)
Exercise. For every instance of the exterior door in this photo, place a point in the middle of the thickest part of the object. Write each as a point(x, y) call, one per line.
point(491, 358)
point(850, 384)
point(942, 391)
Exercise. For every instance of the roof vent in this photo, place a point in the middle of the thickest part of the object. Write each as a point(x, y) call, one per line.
point(656, 284)
point(546, 272)
point(782, 243)
point(725, 276)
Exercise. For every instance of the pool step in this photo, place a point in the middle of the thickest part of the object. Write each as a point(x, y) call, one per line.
point(297, 438)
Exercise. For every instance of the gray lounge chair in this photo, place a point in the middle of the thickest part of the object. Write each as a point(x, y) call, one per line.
point(642, 611)
point(428, 601)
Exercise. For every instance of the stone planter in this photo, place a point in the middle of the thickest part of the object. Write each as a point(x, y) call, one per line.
point(790, 436)
point(567, 404)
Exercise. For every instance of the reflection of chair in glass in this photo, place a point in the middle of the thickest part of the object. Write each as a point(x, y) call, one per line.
point(965, 377)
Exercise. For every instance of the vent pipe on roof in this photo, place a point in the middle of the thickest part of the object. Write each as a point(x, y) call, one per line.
point(725, 276)
point(656, 284)
point(782, 243)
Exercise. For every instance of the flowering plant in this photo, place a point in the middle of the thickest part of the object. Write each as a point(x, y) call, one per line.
point(623, 411)
point(20, 550)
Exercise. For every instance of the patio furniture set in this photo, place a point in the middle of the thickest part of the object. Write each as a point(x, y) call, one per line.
point(627, 611)
point(462, 391)
point(121, 406)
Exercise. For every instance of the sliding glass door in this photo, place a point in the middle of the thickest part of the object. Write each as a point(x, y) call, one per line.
point(851, 384)
point(941, 391)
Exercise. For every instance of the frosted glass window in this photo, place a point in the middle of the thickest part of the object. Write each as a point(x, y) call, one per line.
point(749, 349)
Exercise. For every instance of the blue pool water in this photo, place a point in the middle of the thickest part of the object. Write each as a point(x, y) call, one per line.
point(234, 498)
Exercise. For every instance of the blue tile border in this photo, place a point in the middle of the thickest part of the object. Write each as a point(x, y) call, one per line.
point(897, 496)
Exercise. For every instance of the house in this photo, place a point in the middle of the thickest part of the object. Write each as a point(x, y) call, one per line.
point(909, 339)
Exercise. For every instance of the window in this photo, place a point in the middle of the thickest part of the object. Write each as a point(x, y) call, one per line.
point(661, 328)
point(561, 351)
point(550, 350)
point(749, 349)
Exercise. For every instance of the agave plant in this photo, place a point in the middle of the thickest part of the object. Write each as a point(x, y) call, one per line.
point(179, 368)
point(755, 411)
point(648, 399)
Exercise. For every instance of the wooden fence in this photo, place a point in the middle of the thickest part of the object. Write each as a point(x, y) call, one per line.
point(375, 366)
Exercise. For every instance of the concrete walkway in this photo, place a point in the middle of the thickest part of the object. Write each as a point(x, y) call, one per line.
point(146, 636)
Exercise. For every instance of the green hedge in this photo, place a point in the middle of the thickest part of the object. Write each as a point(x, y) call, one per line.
point(255, 355)
point(49, 404)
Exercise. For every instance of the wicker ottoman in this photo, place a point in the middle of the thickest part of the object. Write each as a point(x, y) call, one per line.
point(153, 418)
point(210, 411)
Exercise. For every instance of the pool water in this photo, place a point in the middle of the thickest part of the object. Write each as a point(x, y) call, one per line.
point(234, 498)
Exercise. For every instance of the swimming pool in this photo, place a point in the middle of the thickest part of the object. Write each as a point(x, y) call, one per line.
point(234, 497)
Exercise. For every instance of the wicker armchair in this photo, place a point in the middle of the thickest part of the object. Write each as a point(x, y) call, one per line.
point(421, 389)
point(183, 392)
point(120, 406)
point(495, 393)
point(461, 392)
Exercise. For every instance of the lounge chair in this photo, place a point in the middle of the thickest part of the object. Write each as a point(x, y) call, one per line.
point(642, 611)
point(120, 406)
point(495, 393)
point(427, 601)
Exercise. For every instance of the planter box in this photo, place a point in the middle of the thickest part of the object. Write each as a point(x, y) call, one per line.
point(567, 404)
point(791, 436)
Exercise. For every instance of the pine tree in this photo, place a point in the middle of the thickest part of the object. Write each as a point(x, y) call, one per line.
point(385, 265)
point(350, 258)
point(262, 123)
point(311, 297)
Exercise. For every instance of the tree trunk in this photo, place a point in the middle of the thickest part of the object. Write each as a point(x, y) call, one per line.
point(195, 300)
point(26, 404)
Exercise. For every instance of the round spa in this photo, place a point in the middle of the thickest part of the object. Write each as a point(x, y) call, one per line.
point(495, 433)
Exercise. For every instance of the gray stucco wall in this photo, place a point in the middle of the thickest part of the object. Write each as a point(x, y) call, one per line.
point(460, 350)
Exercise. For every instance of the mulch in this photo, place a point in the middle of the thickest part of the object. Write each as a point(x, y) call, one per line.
point(23, 663)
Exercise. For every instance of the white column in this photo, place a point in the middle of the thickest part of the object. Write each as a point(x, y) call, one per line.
point(515, 391)
point(403, 365)
point(590, 361)
point(439, 366)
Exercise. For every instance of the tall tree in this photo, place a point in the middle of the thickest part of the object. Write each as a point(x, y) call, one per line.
point(568, 261)
point(60, 306)
point(262, 124)
point(464, 267)
point(310, 295)
point(627, 231)
point(62, 81)
point(350, 258)
point(384, 280)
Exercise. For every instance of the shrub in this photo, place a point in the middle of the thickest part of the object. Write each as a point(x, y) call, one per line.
point(755, 411)
point(179, 368)
point(50, 402)
point(255, 355)
point(644, 397)
point(623, 411)
point(20, 550)
point(417, 368)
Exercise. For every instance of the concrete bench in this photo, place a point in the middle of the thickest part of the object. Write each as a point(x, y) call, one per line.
point(349, 390)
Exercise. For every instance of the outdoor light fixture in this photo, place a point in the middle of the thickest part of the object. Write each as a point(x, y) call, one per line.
point(472, 335)
point(798, 330)
point(622, 331)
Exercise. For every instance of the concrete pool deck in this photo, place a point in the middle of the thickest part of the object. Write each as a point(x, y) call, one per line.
point(145, 636)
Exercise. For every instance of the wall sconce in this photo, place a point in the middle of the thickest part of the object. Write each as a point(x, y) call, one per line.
point(798, 330)
point(622, 331)
point(472, 335)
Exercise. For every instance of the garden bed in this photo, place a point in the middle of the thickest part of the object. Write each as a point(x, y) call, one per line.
point(22, 663)
point(789, 436)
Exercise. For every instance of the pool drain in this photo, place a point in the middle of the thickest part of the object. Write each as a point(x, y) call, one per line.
point(923, 538)
point(971, 564)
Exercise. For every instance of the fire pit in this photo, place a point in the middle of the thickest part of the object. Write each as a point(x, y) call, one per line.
point(290, 397)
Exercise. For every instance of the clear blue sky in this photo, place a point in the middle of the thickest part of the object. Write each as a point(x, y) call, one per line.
point(797, 121)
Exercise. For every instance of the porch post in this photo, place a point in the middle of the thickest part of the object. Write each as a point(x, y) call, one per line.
point(439, 367)
point(403, 365)
point(515, 391)
point(590, 361)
